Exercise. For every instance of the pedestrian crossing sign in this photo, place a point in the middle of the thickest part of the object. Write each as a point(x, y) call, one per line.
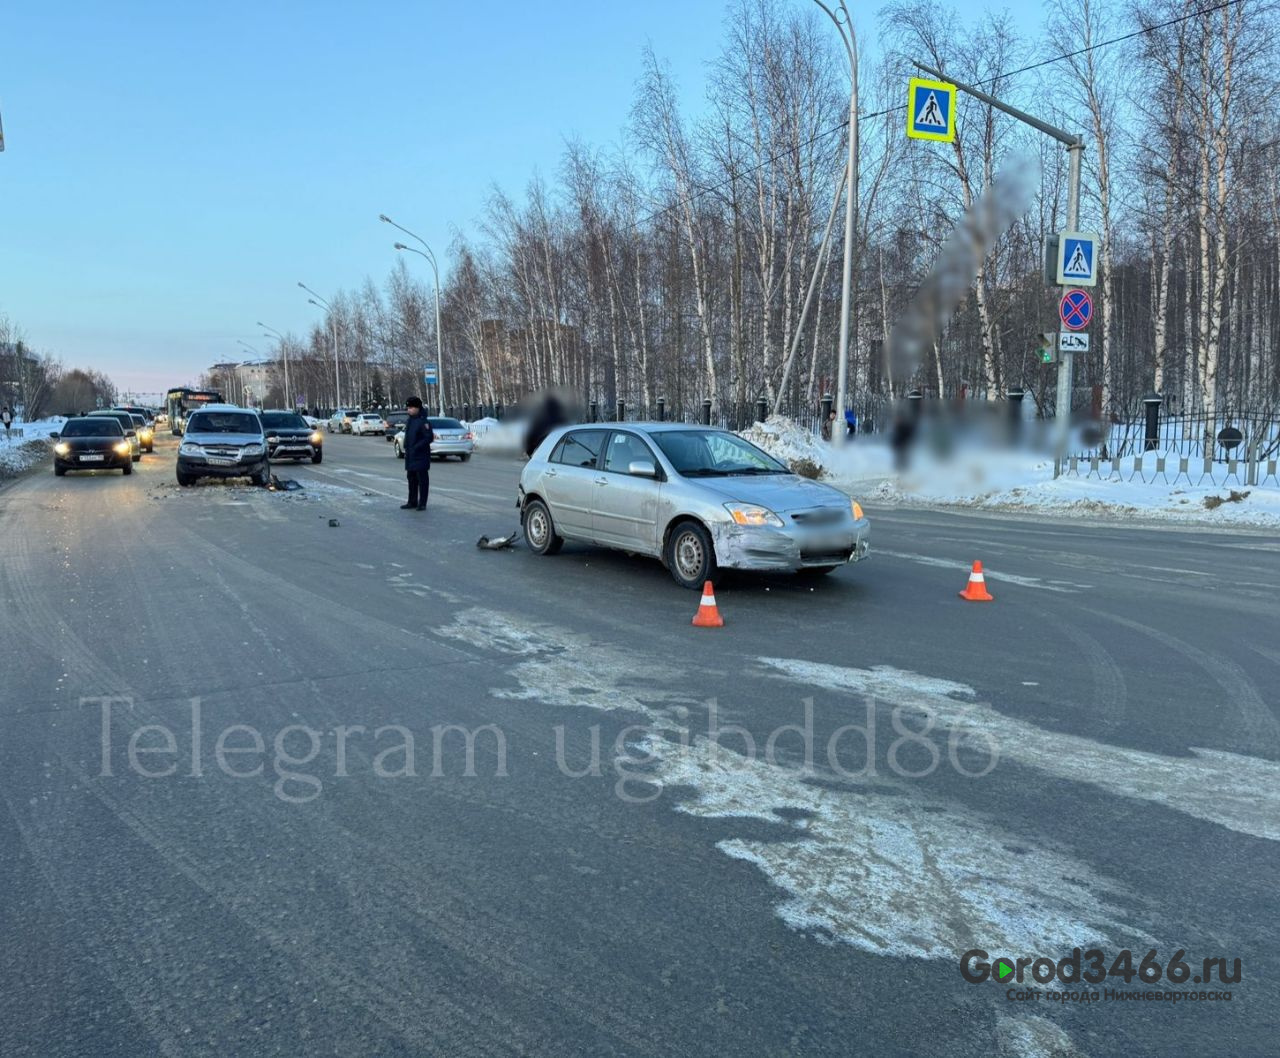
point(1078, 259)
point(931, 110)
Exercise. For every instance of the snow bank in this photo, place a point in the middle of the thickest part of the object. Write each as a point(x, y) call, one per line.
point(19, 456)
point(497, 437)
point(1012, 480)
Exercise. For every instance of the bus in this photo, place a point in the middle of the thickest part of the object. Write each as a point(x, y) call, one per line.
point(179, 403)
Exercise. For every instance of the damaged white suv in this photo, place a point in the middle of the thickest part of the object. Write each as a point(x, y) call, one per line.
point(696, 497)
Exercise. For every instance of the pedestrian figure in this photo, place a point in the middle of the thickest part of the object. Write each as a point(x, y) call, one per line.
point(828, 425)
point(418, 436)
point(850, 423)
point(6, 416)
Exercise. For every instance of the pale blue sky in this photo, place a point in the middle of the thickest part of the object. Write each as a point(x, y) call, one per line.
point(173, 169)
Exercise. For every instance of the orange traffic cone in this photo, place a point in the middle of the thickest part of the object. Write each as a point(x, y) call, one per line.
point(708, 616)
point(976, 589)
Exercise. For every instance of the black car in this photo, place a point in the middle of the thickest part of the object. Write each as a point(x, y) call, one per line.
point(395, 423)
point(289, 437)
point(94, 442)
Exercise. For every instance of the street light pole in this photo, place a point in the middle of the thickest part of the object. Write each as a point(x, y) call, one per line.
point(844, 25)
point(284, 355)
point(431, 259)
point(320, 302)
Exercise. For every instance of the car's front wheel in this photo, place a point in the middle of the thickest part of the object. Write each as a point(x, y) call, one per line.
point(317, 457)
point(185, 479)
point(539, 530)
point(262, 476)
point(59, 472)
point(690, 556)
point(127, 469)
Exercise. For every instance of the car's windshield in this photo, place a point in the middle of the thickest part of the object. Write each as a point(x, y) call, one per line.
point(714, 453)
point(223, 422)
point(283, 421)
point(99, 426)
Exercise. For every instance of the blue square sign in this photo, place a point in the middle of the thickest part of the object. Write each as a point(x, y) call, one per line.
point(1078, 259)
point(931, 110)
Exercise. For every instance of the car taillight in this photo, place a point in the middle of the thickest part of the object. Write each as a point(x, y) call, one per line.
point(468, 436)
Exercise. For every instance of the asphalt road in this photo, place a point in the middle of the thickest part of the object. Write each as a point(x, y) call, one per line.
point(1090, 760)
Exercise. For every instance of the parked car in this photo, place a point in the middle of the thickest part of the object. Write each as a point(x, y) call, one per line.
point(146, 435)
point(340, 421)
point(368, 422)
point(312, 421)
point(128, 425)
point(451, 439)
point(696, 497)
point(222, 441)
point(289, 437)
point(92, 442)
point(395, 423)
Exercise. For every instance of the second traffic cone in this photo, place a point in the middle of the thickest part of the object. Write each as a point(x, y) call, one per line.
point(708, 616)
point(976, 589)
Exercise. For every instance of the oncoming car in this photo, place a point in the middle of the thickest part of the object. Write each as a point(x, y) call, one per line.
point(223, 441)
point(289, 437)
point(695, 497)
point(93, 442)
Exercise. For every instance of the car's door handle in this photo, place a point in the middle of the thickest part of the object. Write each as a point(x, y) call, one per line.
point(551, 473)
point(602, 481)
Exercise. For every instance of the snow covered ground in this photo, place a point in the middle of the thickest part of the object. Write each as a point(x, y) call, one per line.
point(1014, 480)
point(20, 453)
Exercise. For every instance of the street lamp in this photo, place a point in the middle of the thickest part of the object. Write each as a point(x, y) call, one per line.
point(320, 303)
point(844, 25)
point(431, 259)
point(284, 354)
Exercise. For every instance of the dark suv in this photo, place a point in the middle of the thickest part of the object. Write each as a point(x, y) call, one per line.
point(223, 442)
point(289, 437)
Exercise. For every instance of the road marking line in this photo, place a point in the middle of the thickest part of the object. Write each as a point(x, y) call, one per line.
point(1007, 578)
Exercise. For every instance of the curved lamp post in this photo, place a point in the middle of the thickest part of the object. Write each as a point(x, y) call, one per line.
point(320, 303)
point(435, 271)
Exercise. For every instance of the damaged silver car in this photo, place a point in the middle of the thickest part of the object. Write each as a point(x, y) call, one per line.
point(696, 497)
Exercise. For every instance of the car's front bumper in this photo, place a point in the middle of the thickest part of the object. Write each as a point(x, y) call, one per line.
point(77, 461)
point(198, 467)
point(292, 450)
point(764, 548)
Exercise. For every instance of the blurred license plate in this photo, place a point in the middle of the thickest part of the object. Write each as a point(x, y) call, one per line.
point(93, 459)
point(221, 461)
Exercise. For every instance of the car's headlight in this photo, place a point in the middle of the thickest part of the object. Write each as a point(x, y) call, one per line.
point(317, 438)
point(62, 448)
point(190, 448)
point(254, 450)
point(122, 447)
point(273, 440)
point(857, 510)
point(749, 514)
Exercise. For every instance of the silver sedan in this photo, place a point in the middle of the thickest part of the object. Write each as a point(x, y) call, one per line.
point(695, 497)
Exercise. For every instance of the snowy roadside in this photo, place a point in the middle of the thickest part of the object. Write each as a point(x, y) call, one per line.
point(17, 457)
point(1010, 481)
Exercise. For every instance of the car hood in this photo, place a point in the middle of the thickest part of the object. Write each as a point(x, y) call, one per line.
point(223, 438)
point(291, 431)
point(780, 492)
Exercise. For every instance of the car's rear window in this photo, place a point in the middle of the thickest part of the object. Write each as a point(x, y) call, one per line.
point(439, 423)
point(223, 422)
point(98, 426)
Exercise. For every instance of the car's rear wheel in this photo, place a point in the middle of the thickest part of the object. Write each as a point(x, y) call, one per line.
point(539, 530)
point(465, 457)
point(690, 556)
point(127, 469)
point(317, 457)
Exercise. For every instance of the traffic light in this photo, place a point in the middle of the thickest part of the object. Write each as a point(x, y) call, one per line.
point(1047, 348)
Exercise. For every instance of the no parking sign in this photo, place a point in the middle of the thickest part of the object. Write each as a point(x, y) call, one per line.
point(1076, 309)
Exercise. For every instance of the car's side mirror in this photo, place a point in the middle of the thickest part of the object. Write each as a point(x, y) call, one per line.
point(54, 436)
point(131, 433)
point(642, 468)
